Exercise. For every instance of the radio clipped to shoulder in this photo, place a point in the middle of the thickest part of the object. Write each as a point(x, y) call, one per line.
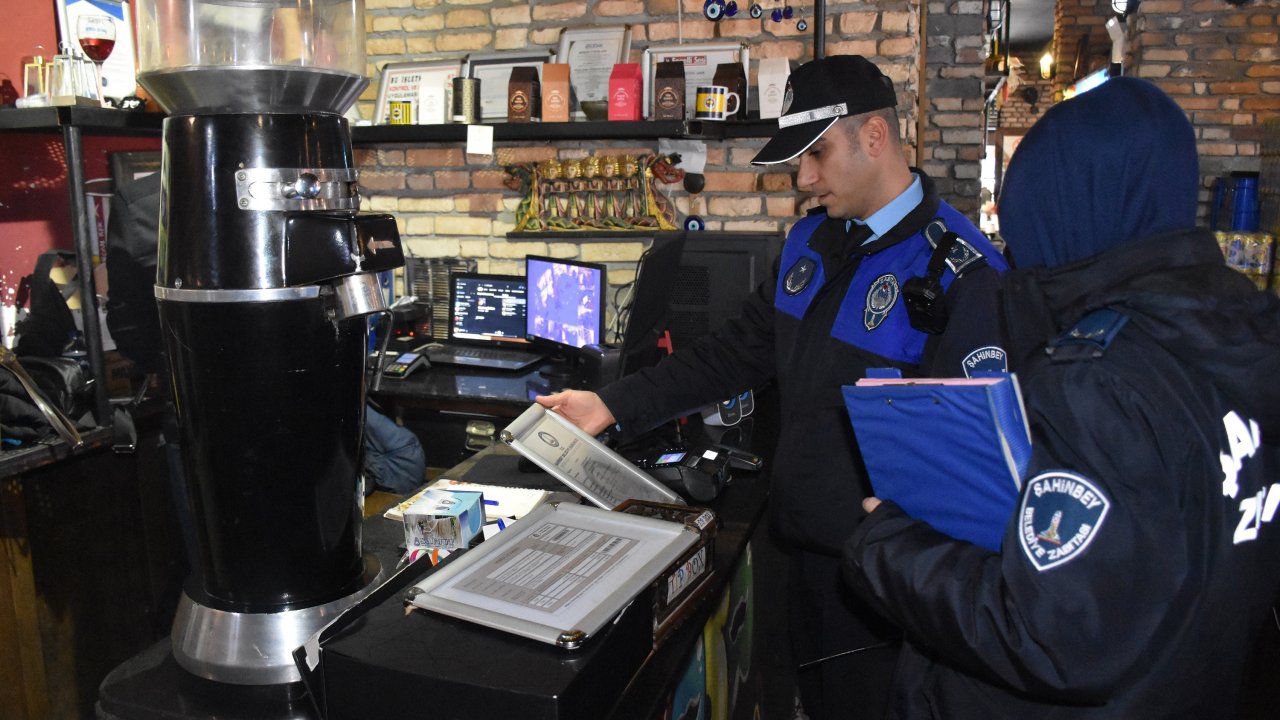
point(924, 295)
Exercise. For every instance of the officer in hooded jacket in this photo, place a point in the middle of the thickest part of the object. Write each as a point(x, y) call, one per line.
point(1139, 565)
point(837, 305)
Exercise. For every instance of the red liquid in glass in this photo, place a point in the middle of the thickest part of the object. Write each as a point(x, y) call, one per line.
point(97, 49)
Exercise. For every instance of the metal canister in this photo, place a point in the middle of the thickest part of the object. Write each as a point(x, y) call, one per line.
point(466, 100)
point(400, 112)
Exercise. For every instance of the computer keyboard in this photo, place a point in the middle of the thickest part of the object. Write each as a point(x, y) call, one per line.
point(477, 356)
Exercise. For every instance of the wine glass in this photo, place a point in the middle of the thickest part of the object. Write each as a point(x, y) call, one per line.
point(97, 37)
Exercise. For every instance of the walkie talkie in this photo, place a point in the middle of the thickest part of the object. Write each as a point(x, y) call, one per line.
point(924, 295)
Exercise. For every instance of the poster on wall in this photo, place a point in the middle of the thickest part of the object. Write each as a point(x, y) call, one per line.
point(101, 30)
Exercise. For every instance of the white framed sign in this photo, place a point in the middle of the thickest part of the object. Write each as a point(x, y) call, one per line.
point(415, 83)
point(700, 63)
point(591, 53)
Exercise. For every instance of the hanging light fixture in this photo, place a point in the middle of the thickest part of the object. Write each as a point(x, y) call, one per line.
point(1046, 66)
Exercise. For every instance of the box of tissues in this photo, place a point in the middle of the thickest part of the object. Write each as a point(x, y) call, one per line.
point(444, 519)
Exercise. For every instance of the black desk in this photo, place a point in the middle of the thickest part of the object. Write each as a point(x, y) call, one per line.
point(438, 404)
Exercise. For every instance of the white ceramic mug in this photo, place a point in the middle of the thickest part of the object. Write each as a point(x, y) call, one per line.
point(711, 102)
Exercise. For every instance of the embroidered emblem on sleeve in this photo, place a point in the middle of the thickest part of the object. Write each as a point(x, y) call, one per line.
point(985, 359)
point(881, 297)
point(1061, 514)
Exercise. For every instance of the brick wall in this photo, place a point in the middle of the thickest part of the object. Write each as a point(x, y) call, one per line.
point(451, 204)
point(1220, 62)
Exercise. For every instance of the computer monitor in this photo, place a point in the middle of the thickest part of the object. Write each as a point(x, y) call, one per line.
point(565, 308)
point(487, 309)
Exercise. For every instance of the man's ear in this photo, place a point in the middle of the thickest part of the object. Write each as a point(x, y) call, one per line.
point(874, 136)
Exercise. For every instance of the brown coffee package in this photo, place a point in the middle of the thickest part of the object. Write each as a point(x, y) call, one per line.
point(555, 92)
point(668, 91)
point(731, 76)
point(524, 95)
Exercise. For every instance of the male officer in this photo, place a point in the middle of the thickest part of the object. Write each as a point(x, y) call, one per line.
point(838, 304)
point(1138, 568)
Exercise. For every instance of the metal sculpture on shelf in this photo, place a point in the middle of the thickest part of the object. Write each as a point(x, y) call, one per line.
point(599, 192)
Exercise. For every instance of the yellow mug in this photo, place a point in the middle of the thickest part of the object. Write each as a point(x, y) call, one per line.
point(712, 102)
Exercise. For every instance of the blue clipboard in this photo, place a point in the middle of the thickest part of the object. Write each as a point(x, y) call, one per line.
point(949, 451)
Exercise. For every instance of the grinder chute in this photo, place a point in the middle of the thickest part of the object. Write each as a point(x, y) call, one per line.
point(266, 277)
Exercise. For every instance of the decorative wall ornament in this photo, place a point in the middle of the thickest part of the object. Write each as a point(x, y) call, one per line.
point(599, 192)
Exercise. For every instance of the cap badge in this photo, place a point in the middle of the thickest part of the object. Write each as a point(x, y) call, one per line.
point(787, 98)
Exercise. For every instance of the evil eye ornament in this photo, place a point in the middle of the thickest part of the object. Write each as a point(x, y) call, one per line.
point(713, 9)
point(802, 25)
point(731, 8)
point(756, 11)
point(693, 223)
point(780, 14)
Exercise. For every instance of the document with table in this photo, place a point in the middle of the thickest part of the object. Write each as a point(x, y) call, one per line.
point(949, 451)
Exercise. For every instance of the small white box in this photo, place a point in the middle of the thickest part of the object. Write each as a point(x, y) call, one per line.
point(444, 519)
point(772, 78)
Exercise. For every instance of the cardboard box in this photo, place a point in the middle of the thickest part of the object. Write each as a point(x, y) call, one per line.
point(524, 95)
point(444, 519)
point(772, 86)
point(668, 91)
point(555, 92)
point(626, 86)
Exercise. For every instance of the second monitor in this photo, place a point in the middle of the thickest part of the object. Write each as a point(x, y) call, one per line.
point(565, 305)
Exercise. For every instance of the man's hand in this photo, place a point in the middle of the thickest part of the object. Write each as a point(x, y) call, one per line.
point(870, 504)
point(580, 407)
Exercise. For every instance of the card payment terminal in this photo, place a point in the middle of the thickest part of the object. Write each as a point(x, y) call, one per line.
point(403, 365)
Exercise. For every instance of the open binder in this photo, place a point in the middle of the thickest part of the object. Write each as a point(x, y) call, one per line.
point(948, 451)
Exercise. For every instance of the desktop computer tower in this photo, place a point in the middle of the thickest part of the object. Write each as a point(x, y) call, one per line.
point(717, 271)
point(428, 280)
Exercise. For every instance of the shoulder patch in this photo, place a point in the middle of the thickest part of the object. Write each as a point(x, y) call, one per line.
point(1061, 514)
point(1089, 337)
point(985, 359)
point(799, 276)
point(962, 256)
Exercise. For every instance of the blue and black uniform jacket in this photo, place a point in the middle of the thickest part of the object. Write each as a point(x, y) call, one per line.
point(817, 334)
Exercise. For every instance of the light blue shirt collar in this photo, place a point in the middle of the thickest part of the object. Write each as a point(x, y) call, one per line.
point(883, 220)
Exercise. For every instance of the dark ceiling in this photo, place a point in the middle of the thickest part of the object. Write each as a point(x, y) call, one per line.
point(1030, 25)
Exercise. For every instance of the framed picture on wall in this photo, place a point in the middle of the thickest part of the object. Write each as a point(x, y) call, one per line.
point(493, 70)
point(699, 62)
point(426, 86)
point(591, 53)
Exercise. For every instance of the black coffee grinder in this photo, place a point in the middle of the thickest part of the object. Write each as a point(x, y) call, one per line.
point(266, 278)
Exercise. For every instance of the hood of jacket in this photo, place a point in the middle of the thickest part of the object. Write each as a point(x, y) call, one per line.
point(1098, 210)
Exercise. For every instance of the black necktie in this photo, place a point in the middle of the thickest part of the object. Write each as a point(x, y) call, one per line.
point(858, 233)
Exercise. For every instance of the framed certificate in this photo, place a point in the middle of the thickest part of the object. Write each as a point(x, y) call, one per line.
point(416, 83)
point(558, 575)
point(493, 70)
point(591, 54)
point(700, 63)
